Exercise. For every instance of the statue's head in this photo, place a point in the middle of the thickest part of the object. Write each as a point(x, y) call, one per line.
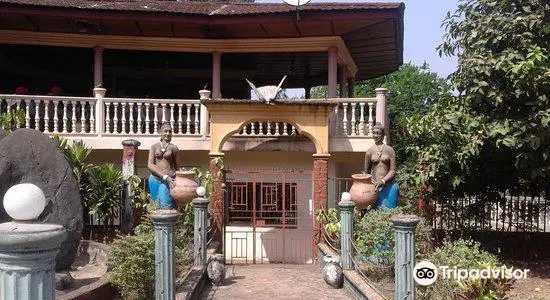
point(378, 132)
point(166, 132)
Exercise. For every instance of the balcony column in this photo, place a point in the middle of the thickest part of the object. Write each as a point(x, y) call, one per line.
point(332, 79)
point(351, 87)
point(216, 74)
point(343, 81)
point(216, 197)
point(382, 111)
point(320, 189)
point(98, 66)
point(307, 94)
point(99, 125)
point(332, 71)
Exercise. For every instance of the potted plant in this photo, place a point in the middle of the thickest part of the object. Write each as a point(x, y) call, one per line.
point(204, 93)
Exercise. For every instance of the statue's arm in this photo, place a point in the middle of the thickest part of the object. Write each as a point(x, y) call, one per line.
point(175, 163)
point(391, 173)
point(368, 164)
point(151, 163)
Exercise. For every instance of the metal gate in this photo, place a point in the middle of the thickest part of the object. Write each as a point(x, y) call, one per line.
point(269, 217)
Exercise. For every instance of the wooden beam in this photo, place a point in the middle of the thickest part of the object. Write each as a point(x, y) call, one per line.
point(305, 44)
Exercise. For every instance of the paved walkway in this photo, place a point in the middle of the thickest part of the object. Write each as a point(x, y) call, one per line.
point(272, 282)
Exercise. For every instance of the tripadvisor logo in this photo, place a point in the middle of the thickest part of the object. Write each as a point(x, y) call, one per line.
point(426, 273)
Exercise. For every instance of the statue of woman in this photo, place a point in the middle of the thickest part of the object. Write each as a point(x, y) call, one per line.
point(163, 163)
point(380, 163)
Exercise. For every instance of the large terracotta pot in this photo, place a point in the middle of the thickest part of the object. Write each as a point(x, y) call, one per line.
point(186, 188)
point(362, 190)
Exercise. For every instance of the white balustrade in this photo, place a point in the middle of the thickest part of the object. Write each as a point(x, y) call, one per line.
point(356, 120)
point(183, 116)
point(52, 111)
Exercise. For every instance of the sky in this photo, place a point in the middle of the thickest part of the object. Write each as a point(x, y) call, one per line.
point(423, 32)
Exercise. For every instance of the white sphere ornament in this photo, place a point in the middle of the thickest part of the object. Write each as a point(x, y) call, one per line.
point(24, 202)
point(346, 196)
point(201, 191)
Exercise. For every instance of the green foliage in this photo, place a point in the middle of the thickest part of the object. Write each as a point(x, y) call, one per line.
point(205, 178)
point(411, 89)
point(463, 254)
point(9, 119)
point(375, 235)
point(106, 198)
point(331, 220)
point(132, 260)
point(499, 124)
point(141, 199)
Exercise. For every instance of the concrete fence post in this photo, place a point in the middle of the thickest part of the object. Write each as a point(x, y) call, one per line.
point(129, 152)
point(28, 250)
point(404, 255)
point(200, 232)
point(346, 230)
point(165, 271)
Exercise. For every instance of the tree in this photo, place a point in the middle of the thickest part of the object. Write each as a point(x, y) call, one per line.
point(411, 89)
point(495, 134)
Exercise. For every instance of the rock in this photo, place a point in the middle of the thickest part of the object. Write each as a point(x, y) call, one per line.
point(537, 289)
point(3, 133)
point(63, 280)
point(216, 269)
point(29, 156)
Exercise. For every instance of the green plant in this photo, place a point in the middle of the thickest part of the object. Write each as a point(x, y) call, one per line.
point(463, 254)
point(141, 199)
point(205, 178)
point(330, 220)
point(132, 260)
point(9, 119)
point(106, 198)
point(375, 235)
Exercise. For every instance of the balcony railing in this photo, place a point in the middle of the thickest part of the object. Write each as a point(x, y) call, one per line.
point(126, 117)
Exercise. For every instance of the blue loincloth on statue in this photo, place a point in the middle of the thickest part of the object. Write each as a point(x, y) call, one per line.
point(388, 196)
point(160, 193)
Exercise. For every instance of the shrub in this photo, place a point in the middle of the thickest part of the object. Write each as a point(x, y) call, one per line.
point(463, 254)
point(132, 260)
point(375, 235)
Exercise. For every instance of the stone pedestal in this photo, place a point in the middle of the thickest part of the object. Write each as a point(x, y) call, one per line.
point(129, 151)
point(200, 232)
point(404, 255)
point(27, 260)
point(165, 269)
point(346, 232)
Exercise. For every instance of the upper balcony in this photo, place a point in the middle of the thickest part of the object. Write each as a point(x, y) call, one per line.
point(103, 123)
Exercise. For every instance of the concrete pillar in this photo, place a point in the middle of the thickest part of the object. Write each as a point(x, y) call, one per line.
point(307, 94)
point(28, 250)
point(346, 230)
point(351, 87)
point(129, 150)
point(404, 226)
point(98, 126)
point(200, 232)
point(216, 74)
point(165, 269)
point(216, 197)
point(98, 66)
point(320, 188)
point(343, 82)
point(332, 71)
point(382, 111)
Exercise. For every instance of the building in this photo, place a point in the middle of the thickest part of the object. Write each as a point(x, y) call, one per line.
point(125, 67)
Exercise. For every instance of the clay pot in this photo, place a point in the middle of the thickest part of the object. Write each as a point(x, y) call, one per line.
point(186, 188)
point(362, 190)
point(332, 272)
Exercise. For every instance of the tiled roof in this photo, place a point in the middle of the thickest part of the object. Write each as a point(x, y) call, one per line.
point(200, 8)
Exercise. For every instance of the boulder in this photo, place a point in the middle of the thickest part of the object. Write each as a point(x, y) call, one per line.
point(29, 156)
point(3, 133)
